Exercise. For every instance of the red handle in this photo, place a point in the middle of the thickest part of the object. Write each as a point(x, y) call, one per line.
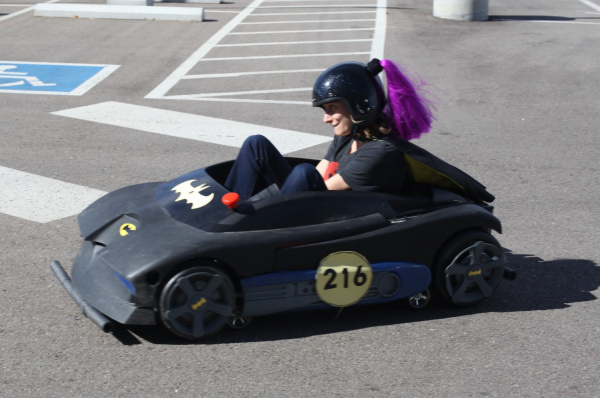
point(231, 200)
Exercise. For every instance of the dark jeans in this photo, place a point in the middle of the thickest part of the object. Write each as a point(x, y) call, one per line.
point(260, 165)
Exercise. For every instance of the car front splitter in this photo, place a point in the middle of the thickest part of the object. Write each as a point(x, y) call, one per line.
point(94, 315)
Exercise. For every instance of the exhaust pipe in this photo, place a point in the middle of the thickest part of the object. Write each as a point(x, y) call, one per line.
point(93, 314)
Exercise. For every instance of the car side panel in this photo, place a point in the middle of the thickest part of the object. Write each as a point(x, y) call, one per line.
point(414, 240)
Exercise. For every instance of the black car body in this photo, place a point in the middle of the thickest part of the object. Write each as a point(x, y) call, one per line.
point(173, 253)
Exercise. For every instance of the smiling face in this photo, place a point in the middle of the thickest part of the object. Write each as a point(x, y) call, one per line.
point(337, 114)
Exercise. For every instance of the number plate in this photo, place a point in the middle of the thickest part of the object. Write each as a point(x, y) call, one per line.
point(343, 278)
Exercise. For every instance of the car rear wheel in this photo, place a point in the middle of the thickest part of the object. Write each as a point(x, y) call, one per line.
point(469, 268)
point(197, 302)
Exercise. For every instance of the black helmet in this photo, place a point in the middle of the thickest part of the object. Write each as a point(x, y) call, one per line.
point(355, 84)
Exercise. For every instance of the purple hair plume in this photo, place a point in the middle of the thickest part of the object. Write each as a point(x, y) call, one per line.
point(409, 113)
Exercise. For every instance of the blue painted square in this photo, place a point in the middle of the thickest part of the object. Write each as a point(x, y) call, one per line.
point(46, 78)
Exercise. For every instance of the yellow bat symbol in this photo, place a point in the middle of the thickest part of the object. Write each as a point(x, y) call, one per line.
point(126, 228)
point(192, 194)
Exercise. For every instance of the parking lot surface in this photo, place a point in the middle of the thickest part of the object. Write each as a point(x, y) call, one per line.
point(92, 105)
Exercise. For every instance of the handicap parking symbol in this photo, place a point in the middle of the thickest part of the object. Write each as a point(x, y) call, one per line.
point(51, 78)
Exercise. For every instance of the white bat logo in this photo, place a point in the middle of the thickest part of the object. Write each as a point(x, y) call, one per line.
point(192, 194)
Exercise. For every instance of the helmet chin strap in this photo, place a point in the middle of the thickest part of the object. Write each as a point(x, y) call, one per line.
point(358, 134)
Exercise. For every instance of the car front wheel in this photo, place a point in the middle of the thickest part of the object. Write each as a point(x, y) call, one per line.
point(197, 302)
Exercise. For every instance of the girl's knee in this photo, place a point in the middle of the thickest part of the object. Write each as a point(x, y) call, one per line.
point(304, 177)
point(256, 140)
point(304, 169)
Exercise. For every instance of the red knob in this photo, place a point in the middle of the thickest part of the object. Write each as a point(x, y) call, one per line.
point(231, 200)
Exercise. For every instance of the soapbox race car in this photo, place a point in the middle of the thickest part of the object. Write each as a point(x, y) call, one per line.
point(189, 254)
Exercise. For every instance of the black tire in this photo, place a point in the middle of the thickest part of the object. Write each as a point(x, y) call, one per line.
point(197, 302)
point(469, 268)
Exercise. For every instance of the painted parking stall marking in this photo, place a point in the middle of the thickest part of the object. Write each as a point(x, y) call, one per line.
point(354, 29)
point(42, 199)
point(51, 78)
point(190, 126)
point(591, 4)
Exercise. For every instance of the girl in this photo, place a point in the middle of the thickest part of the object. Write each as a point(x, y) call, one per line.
point(360, 157)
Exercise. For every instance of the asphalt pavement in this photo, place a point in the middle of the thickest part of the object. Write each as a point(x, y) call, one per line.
point(92, 105)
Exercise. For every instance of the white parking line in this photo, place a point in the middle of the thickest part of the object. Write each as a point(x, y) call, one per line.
point(310, 21)
point(189, 126)
point(239, 74)
point(283, 56)
point(302, 1)
point(225, 94)
point(277, 14)
point(378, 46)
point(23, 11)
point(199, 97)
point(248, 17)
point(319, 6)
point(278, 43)
point(41, 199)
point(59, 79)
point(187, 65)
point(590, 4)
point(277, 32)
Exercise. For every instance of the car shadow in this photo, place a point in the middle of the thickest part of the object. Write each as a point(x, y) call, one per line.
point(529, 18)
point(536, 18)
point(540, 285)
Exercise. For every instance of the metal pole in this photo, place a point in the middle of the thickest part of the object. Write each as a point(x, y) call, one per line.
point(461, 10)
